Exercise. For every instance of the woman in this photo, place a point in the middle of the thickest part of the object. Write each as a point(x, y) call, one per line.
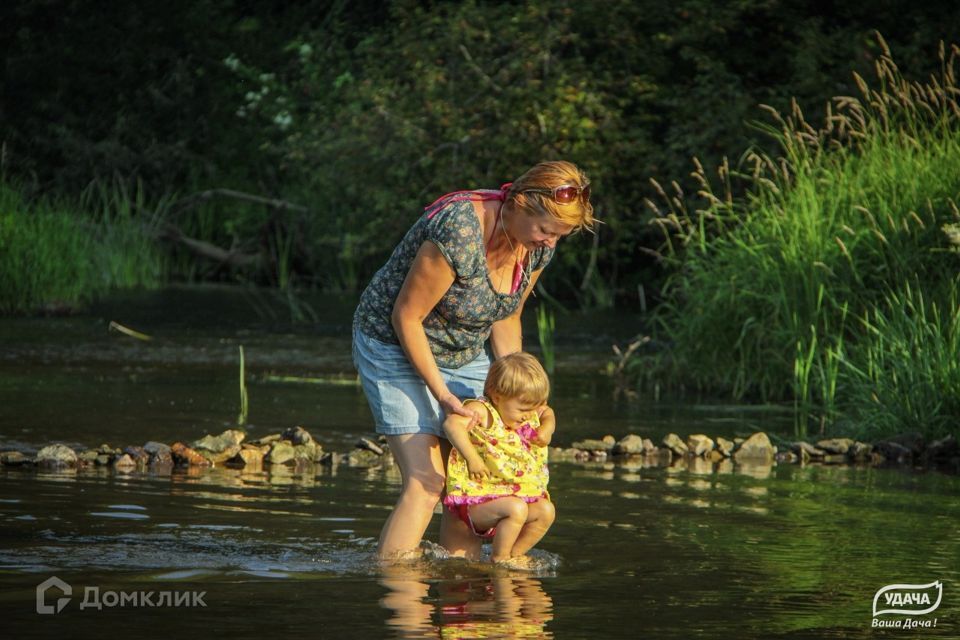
point(459, 277)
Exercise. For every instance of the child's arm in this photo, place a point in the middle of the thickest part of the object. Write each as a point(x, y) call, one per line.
point(548, 424)
point(457, 428)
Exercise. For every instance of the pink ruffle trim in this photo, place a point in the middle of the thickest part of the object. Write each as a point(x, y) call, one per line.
point(452, 501)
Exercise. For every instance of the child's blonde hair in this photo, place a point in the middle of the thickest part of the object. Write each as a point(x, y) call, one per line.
point(518, 375)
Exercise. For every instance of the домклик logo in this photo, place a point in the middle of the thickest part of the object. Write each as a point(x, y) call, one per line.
point(42, 606)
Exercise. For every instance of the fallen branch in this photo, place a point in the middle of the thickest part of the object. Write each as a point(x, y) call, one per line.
point(230, 258)
point(203, 196)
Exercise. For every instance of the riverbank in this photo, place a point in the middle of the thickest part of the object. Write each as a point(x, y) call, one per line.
point(297, 450)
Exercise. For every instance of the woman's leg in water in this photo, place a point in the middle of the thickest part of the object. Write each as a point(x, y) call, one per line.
point(422, 471)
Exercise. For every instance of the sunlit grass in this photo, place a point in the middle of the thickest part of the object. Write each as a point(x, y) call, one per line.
point(57, 254)
point(778, 295)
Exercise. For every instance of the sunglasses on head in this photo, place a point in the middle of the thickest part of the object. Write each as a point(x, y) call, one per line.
point(566, 193)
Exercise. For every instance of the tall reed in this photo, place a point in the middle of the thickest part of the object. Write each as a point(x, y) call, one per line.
point(244, 397)
point(907, 375)
point(765, 287)
point(546, 328)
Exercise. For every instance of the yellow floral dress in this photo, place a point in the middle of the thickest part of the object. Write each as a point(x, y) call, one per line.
point(517, 466)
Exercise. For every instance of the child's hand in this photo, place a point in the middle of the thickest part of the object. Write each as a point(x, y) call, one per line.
point(478, 470)
point(548, 424)
point(543, 437)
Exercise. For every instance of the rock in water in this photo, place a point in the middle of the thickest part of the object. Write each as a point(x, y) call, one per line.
point(860, 451)
point(124, 463)
point(363, 458)
point(57, 455)
point(673, 442)
point(160, 454)
point(182, 454)
point(218, 444)
point(309, 452)
point(699, 444)
point(216, 457)
point(756, 448)
point(593, 446)
point(631, 444)
point(297, 435)
point(806, 451)
point(281, 452)
point(836, 445)
point(725, 447)
point(369, 445)
point(14, 458)
point(138, 455)
point(893, 451)
point(252, 458)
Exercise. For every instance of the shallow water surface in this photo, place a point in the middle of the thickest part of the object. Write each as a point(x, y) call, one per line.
point(702, 552)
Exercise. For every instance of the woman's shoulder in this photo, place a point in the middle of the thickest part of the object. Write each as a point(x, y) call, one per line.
point(455, 229)
point(457, 214)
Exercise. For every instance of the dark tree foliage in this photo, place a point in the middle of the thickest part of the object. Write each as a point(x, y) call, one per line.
point(365, 110)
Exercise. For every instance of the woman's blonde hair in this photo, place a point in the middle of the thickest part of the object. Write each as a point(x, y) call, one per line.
point(518, 375)
point(547, 175)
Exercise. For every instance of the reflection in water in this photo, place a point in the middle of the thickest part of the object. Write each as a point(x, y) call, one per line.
point(494, 605)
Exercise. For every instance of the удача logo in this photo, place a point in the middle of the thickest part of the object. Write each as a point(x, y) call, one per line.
point(908, 599)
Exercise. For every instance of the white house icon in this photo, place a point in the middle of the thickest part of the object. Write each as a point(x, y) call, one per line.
point(42, 606)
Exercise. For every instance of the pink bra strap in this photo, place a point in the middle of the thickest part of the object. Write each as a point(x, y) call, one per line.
point(467, 196)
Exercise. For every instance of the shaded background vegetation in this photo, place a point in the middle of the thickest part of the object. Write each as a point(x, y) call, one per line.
point(292, 146)
point(364, 111)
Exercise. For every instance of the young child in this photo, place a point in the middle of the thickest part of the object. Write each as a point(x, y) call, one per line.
point(497, 471)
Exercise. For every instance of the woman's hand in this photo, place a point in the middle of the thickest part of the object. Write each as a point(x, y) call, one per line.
point(451, 405)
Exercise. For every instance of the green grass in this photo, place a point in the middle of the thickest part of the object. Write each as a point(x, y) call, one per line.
point(907, 375)
point(781, 294)
point(56, 254)
point(546, 328)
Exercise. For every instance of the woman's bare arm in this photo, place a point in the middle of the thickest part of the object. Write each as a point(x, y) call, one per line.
point(505, 335)
point(430, 277)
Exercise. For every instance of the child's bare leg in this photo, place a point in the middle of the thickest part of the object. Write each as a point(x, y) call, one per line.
point(506, 514)
point(540, 516)
point(455, 536)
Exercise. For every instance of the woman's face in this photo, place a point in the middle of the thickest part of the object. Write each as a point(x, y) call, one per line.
point(538, 230)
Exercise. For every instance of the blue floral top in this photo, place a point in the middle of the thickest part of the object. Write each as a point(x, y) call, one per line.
point(460, 323)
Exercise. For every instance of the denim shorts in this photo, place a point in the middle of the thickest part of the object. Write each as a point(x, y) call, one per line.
point(398, 397)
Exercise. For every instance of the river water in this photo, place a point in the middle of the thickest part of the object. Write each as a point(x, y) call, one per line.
point(684, 552)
